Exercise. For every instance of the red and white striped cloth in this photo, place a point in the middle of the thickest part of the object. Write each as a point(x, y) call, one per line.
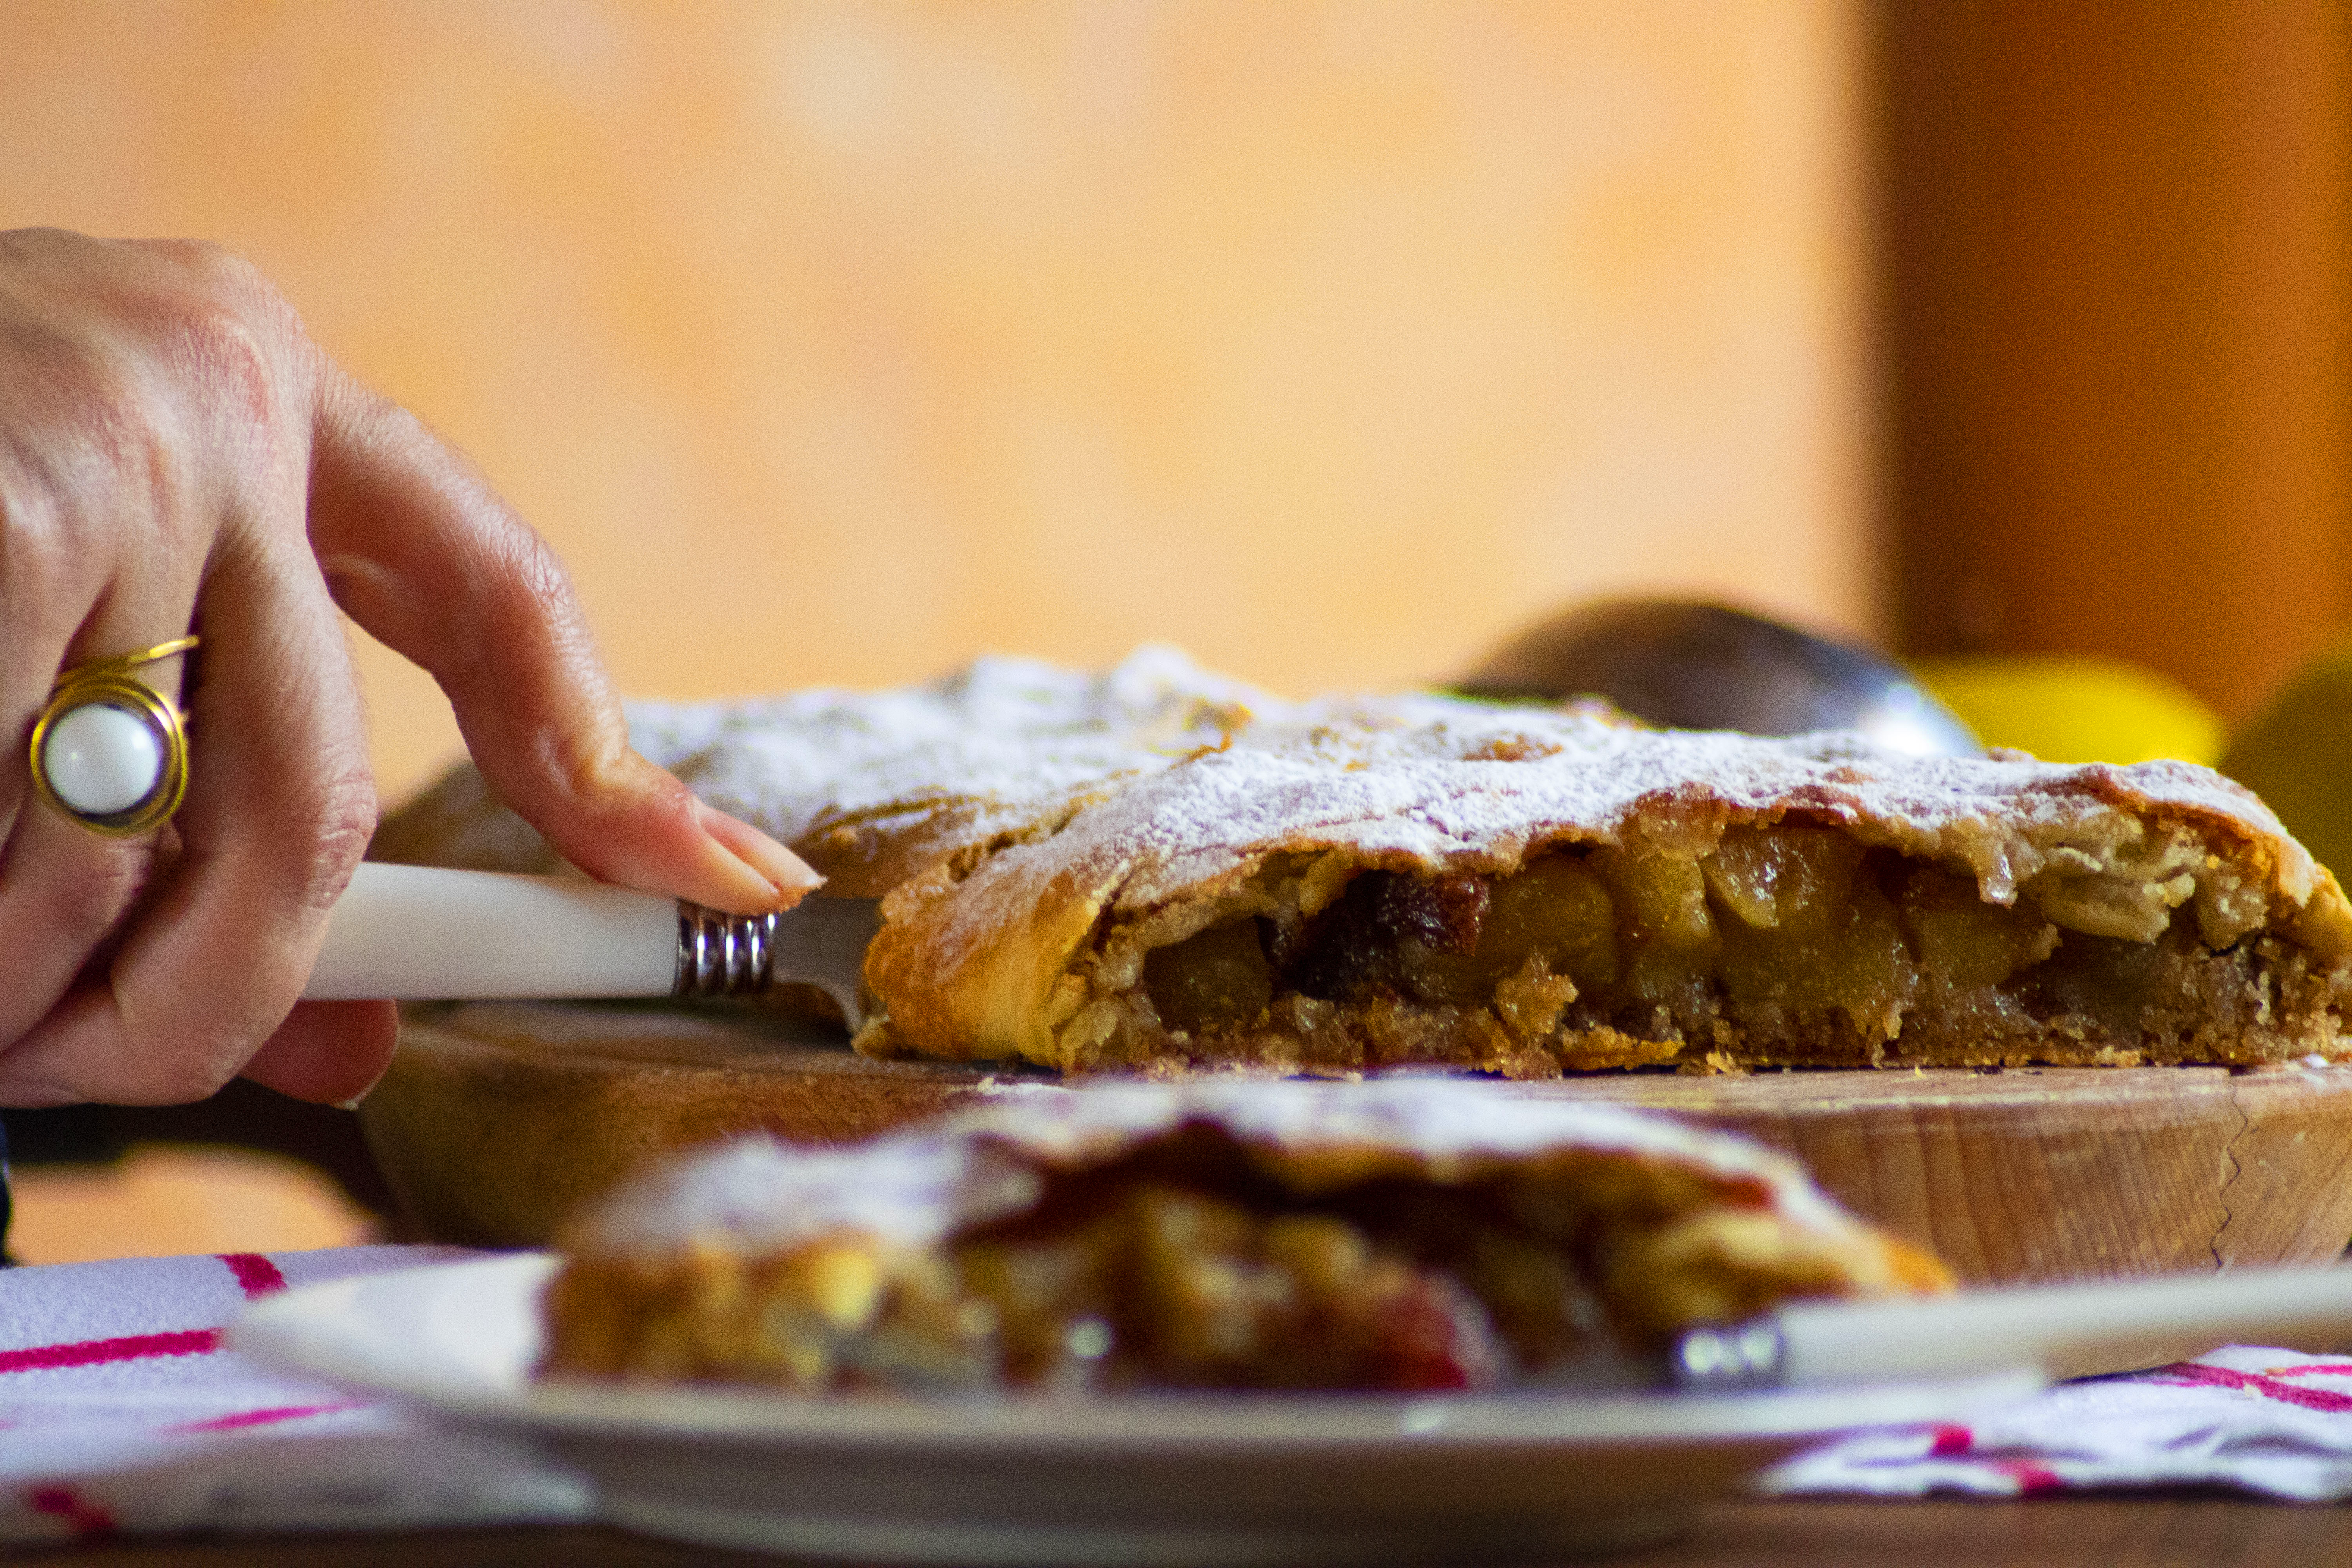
point(2274, 1422)
point(120, 1411)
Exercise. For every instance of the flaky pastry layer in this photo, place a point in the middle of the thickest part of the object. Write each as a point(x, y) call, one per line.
point(1155, 868)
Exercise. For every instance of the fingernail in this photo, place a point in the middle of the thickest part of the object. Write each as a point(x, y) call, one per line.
point(784, 877)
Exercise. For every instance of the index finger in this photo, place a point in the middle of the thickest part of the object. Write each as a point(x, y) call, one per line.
point(419, 550)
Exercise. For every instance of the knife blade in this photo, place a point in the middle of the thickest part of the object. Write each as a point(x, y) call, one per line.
point(430, 933)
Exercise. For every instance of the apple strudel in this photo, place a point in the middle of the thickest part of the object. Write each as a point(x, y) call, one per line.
point(1400, 1234)
point(1155, 870)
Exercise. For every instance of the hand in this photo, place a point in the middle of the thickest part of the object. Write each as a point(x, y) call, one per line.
point(174, 452)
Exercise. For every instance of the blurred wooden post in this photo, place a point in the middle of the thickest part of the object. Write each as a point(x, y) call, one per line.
point(2114, 310)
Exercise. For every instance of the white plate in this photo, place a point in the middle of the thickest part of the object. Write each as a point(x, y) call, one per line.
point(1133, 1479)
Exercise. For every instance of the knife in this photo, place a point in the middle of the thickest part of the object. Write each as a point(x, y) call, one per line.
point(2066, 1331)
point(429, 932)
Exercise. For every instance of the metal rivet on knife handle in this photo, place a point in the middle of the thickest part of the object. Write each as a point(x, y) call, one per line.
point(1739, 1356)
point(722, 955)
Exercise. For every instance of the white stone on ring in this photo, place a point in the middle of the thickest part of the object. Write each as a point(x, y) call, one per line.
point(102, 759)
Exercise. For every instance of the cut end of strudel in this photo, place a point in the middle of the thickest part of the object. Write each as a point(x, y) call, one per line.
point(1396, 1235)
point(1156, 870)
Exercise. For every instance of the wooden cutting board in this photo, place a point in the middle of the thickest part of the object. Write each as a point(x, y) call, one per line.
point(498, 1118)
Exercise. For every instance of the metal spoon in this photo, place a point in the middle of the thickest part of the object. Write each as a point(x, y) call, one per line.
point(1695, 666)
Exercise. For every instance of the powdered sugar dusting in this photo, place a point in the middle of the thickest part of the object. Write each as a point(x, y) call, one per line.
point(1184, 776)
point(1012, 736)
point(918, 1187)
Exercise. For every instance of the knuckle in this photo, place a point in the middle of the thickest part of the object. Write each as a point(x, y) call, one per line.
point(265, 316)
point(536, 588)
point(48, 246)
point(181, 1079)
point(51, 244)
point(196, 259)
point(233, 363)
point(523, 583)
point(36, 541)
point(88, 436)
point(583, 759)
point(193, 337)
point(91, 898)
point(217, 266)
point(201, 268)
point(330, 832)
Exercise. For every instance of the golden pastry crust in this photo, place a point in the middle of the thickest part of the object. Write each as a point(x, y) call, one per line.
point(1158, 869)
point(1404, 1233)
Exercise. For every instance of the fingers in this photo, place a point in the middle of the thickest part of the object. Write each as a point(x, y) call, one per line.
point(278, 809)
point(63, 890)
point(156, 407)
point(328, 1053)
point(102, 535)
point(423, 554)
point(168, 440)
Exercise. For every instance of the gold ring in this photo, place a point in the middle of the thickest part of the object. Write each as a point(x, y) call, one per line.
point(116, 779)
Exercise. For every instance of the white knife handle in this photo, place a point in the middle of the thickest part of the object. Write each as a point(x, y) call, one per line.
point(2066, 1330)
point(425, 932)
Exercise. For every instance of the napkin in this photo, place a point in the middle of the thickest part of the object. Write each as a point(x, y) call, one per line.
point(120, 1411)
point(2274, 1422)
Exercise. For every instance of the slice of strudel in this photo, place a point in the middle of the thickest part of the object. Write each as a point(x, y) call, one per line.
point(1156, 870)
point(1399, 1234)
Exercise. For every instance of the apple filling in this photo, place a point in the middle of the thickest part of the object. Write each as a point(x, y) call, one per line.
point(1792, 942)
point(1191, 1265)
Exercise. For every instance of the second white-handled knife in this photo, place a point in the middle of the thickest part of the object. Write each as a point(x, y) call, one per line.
point(427, 933)
point(2066, 1331)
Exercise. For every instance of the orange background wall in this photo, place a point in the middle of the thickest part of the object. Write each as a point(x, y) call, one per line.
point(837, 343)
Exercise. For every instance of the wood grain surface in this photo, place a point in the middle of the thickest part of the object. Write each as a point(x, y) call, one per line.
point(498, 1118)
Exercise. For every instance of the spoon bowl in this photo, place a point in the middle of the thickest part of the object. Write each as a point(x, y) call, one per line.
point(1689, 665)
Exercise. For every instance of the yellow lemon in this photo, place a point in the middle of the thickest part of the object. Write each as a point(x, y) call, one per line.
point(2297, 755)
point(2075, 708)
